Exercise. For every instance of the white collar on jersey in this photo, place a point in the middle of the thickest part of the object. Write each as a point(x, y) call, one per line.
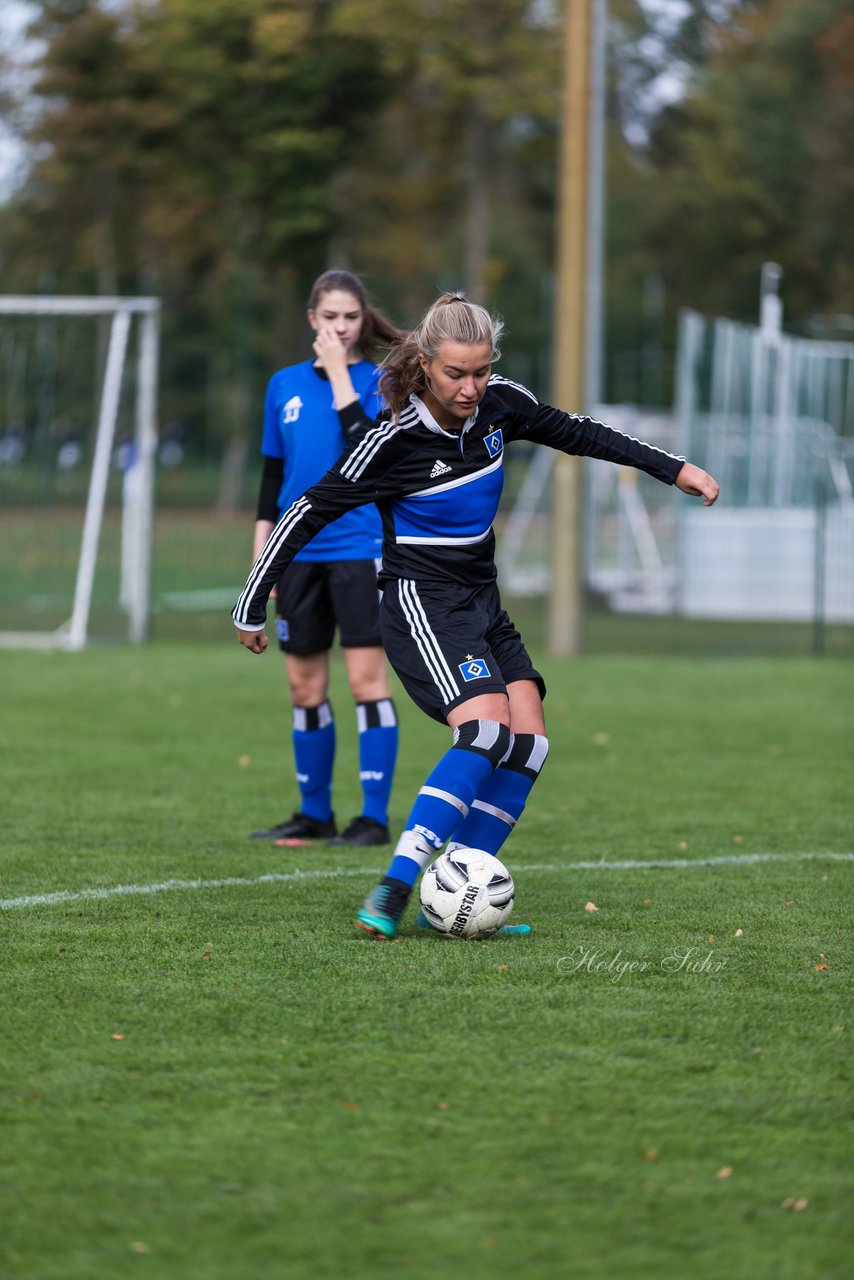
point(432, 425)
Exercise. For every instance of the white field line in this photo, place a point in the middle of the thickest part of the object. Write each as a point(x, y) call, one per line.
point(334, 873)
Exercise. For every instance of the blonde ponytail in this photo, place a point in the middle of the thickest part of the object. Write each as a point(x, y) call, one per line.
point(451, 318)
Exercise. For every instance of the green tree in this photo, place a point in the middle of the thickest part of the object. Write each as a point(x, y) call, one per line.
point(462, 194)
point(190, 150)
point(755, 165)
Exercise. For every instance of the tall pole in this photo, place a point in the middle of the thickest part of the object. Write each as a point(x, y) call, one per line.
point(570, 348)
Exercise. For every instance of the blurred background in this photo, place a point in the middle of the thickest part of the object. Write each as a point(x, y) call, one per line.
point(218, 154)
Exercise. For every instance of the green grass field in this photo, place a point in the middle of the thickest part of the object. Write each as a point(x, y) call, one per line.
point(219, 1078)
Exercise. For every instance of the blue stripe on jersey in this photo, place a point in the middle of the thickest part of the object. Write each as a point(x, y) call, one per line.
point(461, 509)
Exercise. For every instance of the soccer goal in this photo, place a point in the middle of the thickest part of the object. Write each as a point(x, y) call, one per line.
point(78, 438)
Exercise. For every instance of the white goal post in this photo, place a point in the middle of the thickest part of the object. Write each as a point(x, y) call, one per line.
point(138, 490)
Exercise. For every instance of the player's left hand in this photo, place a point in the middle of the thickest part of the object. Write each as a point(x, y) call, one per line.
point(698, 483)
point(254, 641)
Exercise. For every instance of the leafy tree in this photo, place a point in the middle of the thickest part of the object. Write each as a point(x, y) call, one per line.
point(754, 162)
point(736, 164)
point(190, 149)
point(456, 157)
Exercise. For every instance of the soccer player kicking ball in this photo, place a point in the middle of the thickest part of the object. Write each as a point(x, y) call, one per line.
point(432, 462)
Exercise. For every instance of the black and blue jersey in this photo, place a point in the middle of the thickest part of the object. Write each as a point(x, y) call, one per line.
point(302, 427)
point(437, 491)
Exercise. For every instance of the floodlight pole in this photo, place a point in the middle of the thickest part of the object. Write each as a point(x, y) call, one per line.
point(571, 351)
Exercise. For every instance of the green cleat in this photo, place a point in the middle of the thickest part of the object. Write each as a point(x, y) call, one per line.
point(381, 911)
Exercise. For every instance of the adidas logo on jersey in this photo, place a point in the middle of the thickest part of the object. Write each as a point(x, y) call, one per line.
point(439, 469)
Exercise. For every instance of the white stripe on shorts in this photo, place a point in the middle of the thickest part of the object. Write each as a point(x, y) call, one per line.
point(428, 645)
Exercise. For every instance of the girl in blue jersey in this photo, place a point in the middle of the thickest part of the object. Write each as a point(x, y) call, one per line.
point(334, 580)
point(433, 462)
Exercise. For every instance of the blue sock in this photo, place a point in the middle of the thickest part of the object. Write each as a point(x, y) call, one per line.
point(314, 752)
point(378, 735)
point(502, 798)
point(445, 797)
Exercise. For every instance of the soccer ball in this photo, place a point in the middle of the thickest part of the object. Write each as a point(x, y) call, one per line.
point(467, 893)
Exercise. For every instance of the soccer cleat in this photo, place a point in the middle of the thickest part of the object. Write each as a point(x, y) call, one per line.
point(363, 831)
point(299, 827)
point(381, 911)
point(505, 931)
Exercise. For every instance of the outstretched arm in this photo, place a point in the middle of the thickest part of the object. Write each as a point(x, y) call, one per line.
point(698, 483)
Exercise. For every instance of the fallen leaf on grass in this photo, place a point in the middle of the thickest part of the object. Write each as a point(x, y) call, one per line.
point(590, 906)
point(118, 1035)
point(738, 839)
point(819, 967)
point(739, 933)
point(651, 1155)
point(442, 1106)
point(788, 902)
point(244, 761)
point(502, 968)
point(725, 1172)
point(837, 1026)
point(352, 1106)
point(139, 1246)
point(683, 844)
point(796, 1206)
point(710, 938)
point(647, 901)
point(207, 953)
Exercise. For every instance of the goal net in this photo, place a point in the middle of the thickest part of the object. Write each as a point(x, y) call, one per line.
point(78, 391)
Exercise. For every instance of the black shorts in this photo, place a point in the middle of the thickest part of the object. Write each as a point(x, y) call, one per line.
point(449, 643)
point(313, 597)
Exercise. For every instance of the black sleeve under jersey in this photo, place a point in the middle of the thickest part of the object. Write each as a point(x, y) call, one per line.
point(353, 418)
point(271, 486)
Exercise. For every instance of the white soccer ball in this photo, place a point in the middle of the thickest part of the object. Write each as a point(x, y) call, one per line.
point(467, 893)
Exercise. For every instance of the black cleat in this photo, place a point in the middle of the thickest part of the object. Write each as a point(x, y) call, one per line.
point(363, 831)
point(299, 827)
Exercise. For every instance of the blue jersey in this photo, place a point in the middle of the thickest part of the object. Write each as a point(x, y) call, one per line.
point(302, 427)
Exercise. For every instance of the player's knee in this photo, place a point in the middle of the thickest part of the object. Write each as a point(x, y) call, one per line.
point(487, 738)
